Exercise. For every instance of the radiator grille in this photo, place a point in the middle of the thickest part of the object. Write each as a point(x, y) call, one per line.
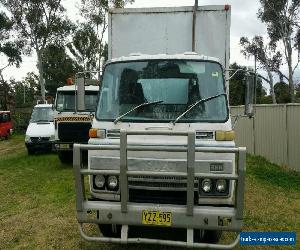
point(39, 139)
point(74, 131)
point(159, 183)
point(113, 133)
point(160, 197)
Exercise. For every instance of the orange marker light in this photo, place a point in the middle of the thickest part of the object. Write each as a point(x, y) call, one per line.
point(93, 133)
point(69, 81)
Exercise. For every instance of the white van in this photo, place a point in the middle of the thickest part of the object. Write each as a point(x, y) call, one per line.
point(40, 131)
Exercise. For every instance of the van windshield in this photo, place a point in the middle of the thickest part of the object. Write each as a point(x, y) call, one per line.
point(66, 100)
point(174, 84)
point(42, 114)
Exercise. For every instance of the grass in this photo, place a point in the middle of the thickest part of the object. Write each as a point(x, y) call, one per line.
point(37, 207)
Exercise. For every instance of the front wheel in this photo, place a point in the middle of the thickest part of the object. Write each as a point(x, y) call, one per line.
point(65, 156)
point(207, 236)
point(30, 151)
point(212, 236)
point(7, 135)
point(110, 230)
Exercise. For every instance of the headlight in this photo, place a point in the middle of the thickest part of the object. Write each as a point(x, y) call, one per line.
point(97, 133)
point(99, 181)
point(221, 186)
point(27, 138)
point(206, 185)
point(112, 182)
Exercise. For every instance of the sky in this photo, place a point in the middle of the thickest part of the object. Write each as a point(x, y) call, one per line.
point(244, 22)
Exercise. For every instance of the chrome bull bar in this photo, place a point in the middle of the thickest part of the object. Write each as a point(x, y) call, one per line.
point(83, 205)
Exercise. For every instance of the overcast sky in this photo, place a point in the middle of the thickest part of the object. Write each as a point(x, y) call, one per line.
point(244, 22)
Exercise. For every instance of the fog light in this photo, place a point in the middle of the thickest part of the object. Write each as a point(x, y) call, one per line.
point(221, 186)
point(206, 185)
point(112, 182)
point(99, 181)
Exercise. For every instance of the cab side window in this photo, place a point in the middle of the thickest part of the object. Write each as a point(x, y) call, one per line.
point(5, 118)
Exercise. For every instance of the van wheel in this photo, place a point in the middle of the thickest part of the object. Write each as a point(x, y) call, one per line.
point(65, 156)
point(7, 135)
point(30, 151)
point(212, 236)
point(110, 230)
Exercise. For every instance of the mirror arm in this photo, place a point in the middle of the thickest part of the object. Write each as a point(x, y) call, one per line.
point(237, 117)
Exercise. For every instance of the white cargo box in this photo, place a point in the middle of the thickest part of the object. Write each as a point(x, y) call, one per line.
point(169, 31)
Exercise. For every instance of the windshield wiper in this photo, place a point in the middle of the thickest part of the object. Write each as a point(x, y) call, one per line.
point(135, 108)
point(195, 104)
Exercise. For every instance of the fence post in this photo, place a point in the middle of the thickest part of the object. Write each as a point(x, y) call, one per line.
point(253, 131)
point(286, 134)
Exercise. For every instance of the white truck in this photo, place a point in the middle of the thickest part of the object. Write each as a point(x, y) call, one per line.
point(72, 124)
point(161, 151)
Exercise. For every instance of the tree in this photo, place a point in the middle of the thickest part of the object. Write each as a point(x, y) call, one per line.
point(24, 92)
point(297, 89)
point(10, 51)
point(58, 67)
point(38, 23)
point(282, 19)
point(84, 47)
point(266, 55)
point(282, 92)
point(95, 12)
point(237, 87)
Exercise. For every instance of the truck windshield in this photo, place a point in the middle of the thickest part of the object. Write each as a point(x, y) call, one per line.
point(174, 84)
point(66, 101)
point(42, 114)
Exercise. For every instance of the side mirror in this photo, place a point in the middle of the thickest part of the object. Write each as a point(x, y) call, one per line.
point(249, 95)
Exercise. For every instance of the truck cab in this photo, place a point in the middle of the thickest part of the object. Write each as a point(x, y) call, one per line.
point(72, 125)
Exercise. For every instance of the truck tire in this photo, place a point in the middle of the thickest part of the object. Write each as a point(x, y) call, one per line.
point(30, 151)
point(65, 156)
point(7, 135)
point(109, 230)
point(207, 236)
point(212, 236)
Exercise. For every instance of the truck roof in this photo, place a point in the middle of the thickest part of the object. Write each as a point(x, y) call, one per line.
point(186, 56)
point(72, 87)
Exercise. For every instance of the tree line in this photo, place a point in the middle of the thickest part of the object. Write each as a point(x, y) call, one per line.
point(62, 47)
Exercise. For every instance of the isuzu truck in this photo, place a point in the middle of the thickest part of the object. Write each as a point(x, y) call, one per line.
point(162, 156)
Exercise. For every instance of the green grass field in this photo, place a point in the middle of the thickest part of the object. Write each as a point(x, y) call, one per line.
point(37, 207)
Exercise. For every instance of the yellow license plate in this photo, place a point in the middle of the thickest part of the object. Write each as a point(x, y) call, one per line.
point(156, 218)
point(64, 146)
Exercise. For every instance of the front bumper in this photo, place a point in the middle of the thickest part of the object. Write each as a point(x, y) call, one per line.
point(204, 217)
point(189, 216)
point(40, 146)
